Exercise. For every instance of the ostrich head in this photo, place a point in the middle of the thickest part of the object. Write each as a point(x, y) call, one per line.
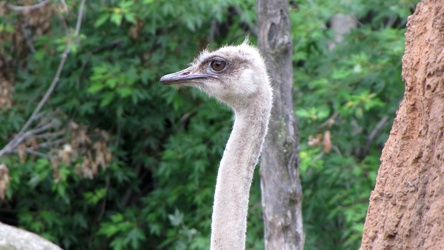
point(232, 74)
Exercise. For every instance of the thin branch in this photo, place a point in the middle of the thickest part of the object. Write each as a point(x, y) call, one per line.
point(13, 144)
point(44, 120)
point(336, 149)
point(19, 138)
point(60, 15)
point(251, 28)
point(374, 133)
point(330, 121)
point(319, 156)
point(49, 91)
point(27, 38)
point(79, 18)
point(36, 153)
point(50, 134)
point(213, 31)
point(27, 8)
point(103, 206)
point(64, 5)
point(45, 127)
point(59, 70)
point(51, 143)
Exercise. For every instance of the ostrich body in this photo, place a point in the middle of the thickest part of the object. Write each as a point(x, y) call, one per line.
point(236, 76)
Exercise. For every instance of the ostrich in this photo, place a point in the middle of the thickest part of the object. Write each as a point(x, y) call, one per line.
point(236, 76)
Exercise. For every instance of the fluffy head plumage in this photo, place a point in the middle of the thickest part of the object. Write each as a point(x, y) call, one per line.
point(231, 74)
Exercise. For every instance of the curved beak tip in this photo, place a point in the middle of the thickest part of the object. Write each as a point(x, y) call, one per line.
point(165, 79)
point(182, 76)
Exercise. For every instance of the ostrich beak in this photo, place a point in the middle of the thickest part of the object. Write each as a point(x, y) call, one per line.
point(183, 76)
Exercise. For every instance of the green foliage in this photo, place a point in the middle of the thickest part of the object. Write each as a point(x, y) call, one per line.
point(343, 94)
point(124, 10)
point(157, 192)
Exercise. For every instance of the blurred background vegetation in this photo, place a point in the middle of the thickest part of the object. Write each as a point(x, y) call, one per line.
point(117, 161)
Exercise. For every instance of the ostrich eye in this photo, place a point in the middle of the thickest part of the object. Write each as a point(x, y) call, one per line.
point(218, 65)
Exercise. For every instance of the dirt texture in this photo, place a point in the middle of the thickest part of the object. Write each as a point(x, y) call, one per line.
point(407, 205)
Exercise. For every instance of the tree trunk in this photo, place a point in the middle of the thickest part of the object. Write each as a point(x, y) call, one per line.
point(341, 24)
point(407, 206)
point(280, 184)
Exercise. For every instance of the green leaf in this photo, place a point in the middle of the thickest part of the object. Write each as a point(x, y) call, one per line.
point(130, 17)
point(101, 20)
point(134, 237)
point(95, 197)
point(107, 98)
point(95, 87)
point(176, 219)
point(116, 18)
point(124, 91)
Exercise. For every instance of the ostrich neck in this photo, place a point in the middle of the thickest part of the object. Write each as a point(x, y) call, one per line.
point(229, 222)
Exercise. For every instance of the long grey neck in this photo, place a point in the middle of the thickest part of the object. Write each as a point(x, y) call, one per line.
point(229, 222)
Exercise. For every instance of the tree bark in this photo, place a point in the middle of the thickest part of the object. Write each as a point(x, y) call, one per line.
point(407, 204)
point(15, 238)
point(280, 184)
point(341, 24)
